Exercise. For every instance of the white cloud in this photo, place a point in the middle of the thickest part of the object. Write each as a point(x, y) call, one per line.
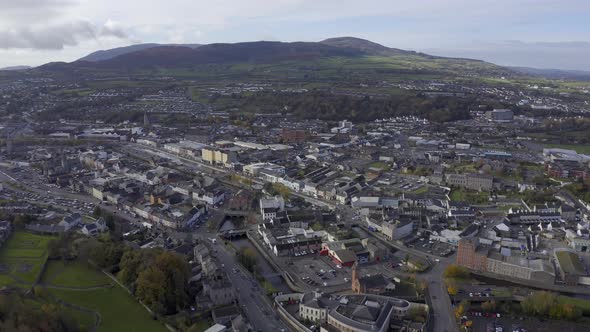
point(75, 26)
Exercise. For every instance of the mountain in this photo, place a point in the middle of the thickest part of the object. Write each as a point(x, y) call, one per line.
point(249, 52)
point(15, 68)
point(560, 74)
point(115, 52)
point(365, 46)
point(330, 59)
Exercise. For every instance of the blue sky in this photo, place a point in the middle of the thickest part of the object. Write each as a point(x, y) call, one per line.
point(536, 33)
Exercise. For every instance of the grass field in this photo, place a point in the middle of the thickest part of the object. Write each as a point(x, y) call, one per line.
point(473, 197)
point(118, 310)
point(380, 164)
point(582, 304)
point(21, 258)
point(73, 274)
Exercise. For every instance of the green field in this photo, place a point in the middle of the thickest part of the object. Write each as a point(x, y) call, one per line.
point(73, 274)
point(21, 259)
point(93, 290)
point(380, 164)
point(582, 304)
point(473, 197)
point(118, 310)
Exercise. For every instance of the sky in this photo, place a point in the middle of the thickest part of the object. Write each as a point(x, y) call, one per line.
point(532, 33)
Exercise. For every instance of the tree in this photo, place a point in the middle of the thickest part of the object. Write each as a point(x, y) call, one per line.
point(247, 257)
point(151, 288)
point(461, 309)
point(489, 306)
point(456, 271)
point(452, 289)
point(106, 254)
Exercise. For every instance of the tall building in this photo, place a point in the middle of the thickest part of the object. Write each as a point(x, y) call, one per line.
point(471, 255)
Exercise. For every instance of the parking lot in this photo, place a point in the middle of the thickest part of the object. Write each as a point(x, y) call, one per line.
point(508, 324)
point(432, 247)
point(319, 271)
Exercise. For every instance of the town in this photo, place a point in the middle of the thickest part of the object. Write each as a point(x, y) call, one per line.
point(272, 222)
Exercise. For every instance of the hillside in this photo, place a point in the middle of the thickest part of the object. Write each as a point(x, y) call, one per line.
point(365, 46)
point(115, 52)
point(333, 59)
point(15, 68)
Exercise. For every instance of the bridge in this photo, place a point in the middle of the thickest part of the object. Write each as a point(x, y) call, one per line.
point(234, 213)
point(233, 234)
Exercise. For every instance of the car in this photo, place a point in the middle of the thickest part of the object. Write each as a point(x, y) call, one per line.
point(470, 294)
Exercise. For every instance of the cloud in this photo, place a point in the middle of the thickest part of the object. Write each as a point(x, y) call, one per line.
point(113, 29)
point(23, 12)
point(56, 37)
point(571, 55)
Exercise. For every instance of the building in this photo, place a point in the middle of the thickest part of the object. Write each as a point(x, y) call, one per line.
point(366, 313)
point(71, 221)
point(477, 182)
point(290, 135)
point(219, 289)
point(348, 313)
point(374, 284)
point(471, 255)
point(481, 257)
point(569, 267)
point(270, 207)
point(346, 252)
point(95, 228)
point(218, 156)
point(315, 307)
point(288, 242)
point(501, 115)
point(517, 266)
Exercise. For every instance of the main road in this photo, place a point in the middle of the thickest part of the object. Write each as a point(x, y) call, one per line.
point(258, 309)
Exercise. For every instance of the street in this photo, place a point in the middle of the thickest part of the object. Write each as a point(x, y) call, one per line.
point(259, 311)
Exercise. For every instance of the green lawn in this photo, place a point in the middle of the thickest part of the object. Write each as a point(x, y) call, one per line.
point(73, 274)
point(118, 310)
point(85, 320)
point(21, 257)
point(23, 244)
point(473, 197)
point(380, 164)
point(579, 303)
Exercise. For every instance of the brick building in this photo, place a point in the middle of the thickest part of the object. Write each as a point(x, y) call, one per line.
point(290, 135)
point(472, 255)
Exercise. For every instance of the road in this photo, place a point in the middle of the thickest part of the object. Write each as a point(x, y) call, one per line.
point(259, 311)
point(32, 183)
point(444, 317)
